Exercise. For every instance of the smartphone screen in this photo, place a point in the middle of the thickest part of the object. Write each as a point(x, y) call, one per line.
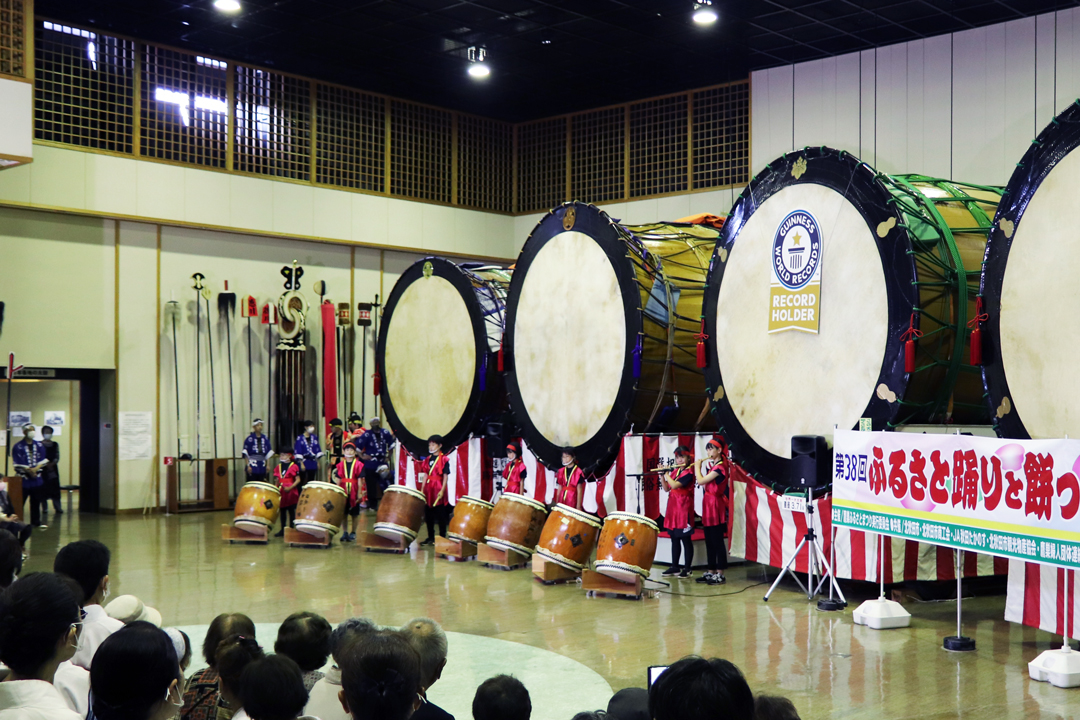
point(654, 672)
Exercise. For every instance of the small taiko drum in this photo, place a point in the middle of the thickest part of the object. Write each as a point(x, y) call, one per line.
point(627, 546)
point(569, 537)
point(470, 520)
point(401, 513)
point(515, 523)
point(321, 509)
point(257, 507)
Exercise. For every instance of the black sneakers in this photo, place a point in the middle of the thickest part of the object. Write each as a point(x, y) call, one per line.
point(673, 570)
point(686, 573)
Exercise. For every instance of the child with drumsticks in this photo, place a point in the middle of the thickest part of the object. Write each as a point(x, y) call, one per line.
point(434, 480)
point(679, 516)
point(287, 478)
point(712, 475)
point(570, 481)
point(350, 476)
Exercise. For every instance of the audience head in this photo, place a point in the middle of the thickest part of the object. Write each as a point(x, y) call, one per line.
point(629, 704)
point(182, 645)
point(696, 689)
point(135, 675)
point(590, 715)
point(774, 707)
point(222, 627)
point(348, 632)
point(304, 637)
point(429, 641)
point(129, 609)
point(380, 678)
point(272, 688)
point(11, 558)
point(87, 561)
point(234, 654)
point(502, 697)
point(40, 621)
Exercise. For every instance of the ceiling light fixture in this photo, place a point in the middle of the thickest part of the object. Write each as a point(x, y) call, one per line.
point(478, 68)
point(704, 14)
point(229, 6)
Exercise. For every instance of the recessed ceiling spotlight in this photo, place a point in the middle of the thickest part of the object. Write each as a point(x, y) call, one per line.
point(477, 67)
point(704, 14)
point(545, 42)
point(229, 6)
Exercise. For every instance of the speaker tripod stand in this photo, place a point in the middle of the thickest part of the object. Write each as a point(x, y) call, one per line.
point(812, 543)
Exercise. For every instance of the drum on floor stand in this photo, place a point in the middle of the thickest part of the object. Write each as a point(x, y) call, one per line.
point(257, 507)
point(601, 325)
point(321, 509)
point(470, 520)
point(437, 351)
point(516, 523)
point(896, 252)
point(1029, 290)
point(627, 546)
point(401, 513)
point(568, 537)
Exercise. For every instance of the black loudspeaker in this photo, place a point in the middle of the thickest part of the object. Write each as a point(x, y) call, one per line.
point(811, 460)
point(499, 435)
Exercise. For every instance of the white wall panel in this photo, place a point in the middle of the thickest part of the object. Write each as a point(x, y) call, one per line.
point(977, 133)
point(1045, 67)
point(772, 113)
point(933, 156)
point(813, 99)
point(1067, 72)
point(868, 105)
point(1017, 104)
point(891, 141)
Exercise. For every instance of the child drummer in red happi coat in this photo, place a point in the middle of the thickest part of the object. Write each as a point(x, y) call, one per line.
point(514, 473)
point(570, 481)
point(287, 478)
point(349, 474)
point(679, 516)
point(434, 483)
point(712, 475)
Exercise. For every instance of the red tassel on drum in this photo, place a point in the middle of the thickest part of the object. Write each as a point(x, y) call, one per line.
point(376, 383)
point(500, 361)
point(702, 360)
point(909, 337)
point(974, 324)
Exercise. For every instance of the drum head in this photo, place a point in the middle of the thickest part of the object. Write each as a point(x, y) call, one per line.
point(768, 387)
point(430, 351)
point(573, 318)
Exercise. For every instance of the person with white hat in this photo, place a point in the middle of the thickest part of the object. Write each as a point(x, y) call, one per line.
point(30, 459)
point(128, 609)
point(257, 452)
point(375, 447)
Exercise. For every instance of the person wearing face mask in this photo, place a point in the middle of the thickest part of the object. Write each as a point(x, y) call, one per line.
point(375, 447)
point(30, 460)
point(308, 452)
point(136, 676)
point(335, 446)
point(349, 474)
point(287, 478)
point(434, 480)
point(514, 473)
point(570, 481)
point(257, 452)
point(50, 474)
point(40, 623)
point(87, 562)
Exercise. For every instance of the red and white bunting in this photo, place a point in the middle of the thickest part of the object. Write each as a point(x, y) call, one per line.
point(1036, 597)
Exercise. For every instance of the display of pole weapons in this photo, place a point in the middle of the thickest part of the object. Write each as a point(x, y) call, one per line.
point(269, 319)
point(213, 387)
point(344, 322)
point(198, 287)
point(226, 305)
point(320, 289)
point(172, 312)
point(292, 309)
point(363, 319)
point(248, 310)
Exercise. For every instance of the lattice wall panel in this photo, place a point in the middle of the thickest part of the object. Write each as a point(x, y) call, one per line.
point(597, 151)
point(721, 136)
point(185, 114)
point(541, 165)
point(351, 138)
point(658, 130)
point(273, 124)
point(485, 164)
point(83, 88)
point(421, 146)
point(14, 25)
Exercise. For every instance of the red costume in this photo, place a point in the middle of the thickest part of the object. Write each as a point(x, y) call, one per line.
point(288, 477)
point(350, 476)
point(569, 481)
point(515, 473)
point(680, 505)
point(437, 469)
point(712, 507)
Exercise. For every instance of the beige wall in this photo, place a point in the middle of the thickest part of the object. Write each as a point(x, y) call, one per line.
point(37, 396)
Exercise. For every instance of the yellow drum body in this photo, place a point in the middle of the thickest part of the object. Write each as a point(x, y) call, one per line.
point(257, 507)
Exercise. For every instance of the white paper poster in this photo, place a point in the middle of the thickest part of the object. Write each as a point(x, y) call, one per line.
point(55, 418)
point(16, 420)
point(135, 439)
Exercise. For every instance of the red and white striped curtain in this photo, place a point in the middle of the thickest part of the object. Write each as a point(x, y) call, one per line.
point(1036, 597)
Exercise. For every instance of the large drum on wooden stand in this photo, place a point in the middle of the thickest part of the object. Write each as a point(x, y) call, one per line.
point(321, 509)
point(601, 325)
point(470, 520)
point(627, 546)
point(516, 523)
point(1031, 294)
point(438, 351)
point(257, 507)
point(401, 513)
point(899, 256)
point(569, 537)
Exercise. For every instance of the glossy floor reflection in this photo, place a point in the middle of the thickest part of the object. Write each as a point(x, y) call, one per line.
point(829, 667)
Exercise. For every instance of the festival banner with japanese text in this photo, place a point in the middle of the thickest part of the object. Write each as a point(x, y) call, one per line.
point(1012, 498)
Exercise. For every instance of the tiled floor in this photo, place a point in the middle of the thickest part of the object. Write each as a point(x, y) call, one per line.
point(828, 666)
